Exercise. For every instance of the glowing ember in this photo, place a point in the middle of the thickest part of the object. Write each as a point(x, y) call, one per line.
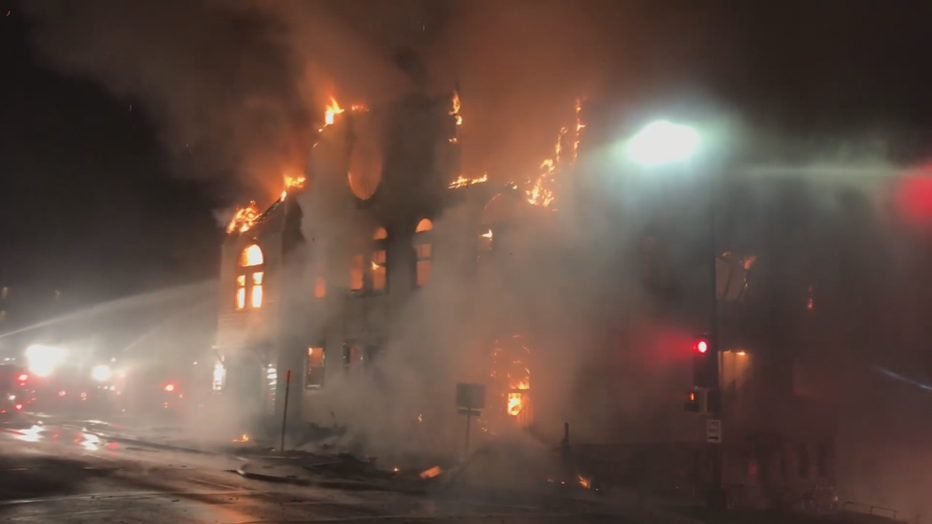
point(487, 234)
point(462, 181)
point(243, 438)
point(244, 218)
point(584, 482)
point(420, 418)
point(579, 127)
point(431, 473)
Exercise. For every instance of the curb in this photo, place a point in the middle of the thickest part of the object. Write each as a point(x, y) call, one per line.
point(325, 484)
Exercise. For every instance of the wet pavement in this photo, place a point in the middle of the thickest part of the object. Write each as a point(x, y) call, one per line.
point(64, 472)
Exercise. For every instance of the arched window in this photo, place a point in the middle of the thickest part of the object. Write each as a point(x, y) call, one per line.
point(251, 256)
point(423, 252)
point(380, 234)
point(249, 278)
point(424, 225)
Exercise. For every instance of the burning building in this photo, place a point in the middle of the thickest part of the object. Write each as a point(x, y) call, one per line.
point(352, 263)
point(383, 276)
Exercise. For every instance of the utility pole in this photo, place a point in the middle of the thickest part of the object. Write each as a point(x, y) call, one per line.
point(717, 494)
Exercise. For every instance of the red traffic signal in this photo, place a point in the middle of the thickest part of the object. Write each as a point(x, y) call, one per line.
point(701, 346)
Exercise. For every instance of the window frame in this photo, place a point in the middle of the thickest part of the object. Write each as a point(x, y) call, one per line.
point(322, 346)
point(253, 277)
point(423, 237)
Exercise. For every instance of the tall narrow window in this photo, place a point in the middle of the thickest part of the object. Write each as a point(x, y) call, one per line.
point(352, 355)
point(379, 280)
point(255, 297)
point(250, 278)
point(314, 374)
point(357, 267)
point(424, 254)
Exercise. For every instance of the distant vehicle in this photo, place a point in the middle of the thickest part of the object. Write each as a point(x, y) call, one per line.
point(15, 393)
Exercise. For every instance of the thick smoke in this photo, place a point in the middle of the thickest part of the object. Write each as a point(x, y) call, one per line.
point(238, 90)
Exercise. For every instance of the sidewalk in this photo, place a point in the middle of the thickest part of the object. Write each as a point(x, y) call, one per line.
point(339, 471)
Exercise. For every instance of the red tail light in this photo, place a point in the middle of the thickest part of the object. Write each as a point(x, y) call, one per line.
point(19, 407)
point(23, 377)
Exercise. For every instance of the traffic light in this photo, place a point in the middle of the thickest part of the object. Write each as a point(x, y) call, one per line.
point(692, 402)
point(705, 363)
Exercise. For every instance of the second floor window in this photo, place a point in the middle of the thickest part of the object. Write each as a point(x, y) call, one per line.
point(369, 273)
point(423, 252)
point(314, 374)
point(250, 278)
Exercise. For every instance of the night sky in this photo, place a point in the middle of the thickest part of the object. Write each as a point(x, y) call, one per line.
point(92, 202)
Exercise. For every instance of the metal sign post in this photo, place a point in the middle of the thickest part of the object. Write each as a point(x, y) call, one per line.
point(285, 409)
point(470, 399)
point(713, 431)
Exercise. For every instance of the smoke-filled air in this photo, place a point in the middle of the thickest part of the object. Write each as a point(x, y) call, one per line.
point(583, 209)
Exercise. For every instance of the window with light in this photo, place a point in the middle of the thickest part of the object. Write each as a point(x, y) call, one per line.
point(250, 279)
point(378, 261)
point(423, 252)
point(314, 374)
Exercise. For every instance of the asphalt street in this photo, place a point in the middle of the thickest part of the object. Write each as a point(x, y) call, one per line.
point(58, 472)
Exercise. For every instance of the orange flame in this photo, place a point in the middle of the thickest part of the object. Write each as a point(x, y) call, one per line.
point(455, 110)
point(462, 181)
point(244, 218)
point(516, 398)
point(294, 182)
point(487, 234)
point(331, 111)
point(540, 191)
point(584, 482)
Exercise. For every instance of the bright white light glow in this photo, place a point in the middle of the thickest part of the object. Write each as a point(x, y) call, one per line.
point(662, 142)
point(43, 359)
point(219, 375)
point(101, 373)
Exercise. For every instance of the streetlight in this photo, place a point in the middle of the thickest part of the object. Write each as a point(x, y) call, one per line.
point(662, 142)
point(43, 359)
point(101, 373)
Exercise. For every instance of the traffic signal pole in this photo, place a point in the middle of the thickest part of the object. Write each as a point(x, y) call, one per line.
point(717, 495)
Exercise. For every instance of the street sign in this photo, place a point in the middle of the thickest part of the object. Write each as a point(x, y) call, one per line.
point(470, 396)
point(713, 431)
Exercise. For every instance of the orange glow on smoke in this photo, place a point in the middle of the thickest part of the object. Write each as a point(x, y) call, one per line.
point(244, 218)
